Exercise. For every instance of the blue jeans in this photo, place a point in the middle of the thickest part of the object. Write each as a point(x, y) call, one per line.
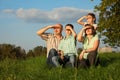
point(69, 60)
point(53, 58)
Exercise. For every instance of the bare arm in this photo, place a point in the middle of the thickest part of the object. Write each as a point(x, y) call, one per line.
point(61, 54)
point(80, 37)
point(41, 31)
point(79, 21)
point(73, 32)
point(95, 46)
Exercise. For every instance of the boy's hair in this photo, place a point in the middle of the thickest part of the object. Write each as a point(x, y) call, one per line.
point(93, 16)
point(69, 25)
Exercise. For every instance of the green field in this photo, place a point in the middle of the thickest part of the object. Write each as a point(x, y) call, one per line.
point(36, 69)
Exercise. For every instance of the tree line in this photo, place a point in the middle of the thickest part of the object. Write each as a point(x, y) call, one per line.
point(16, 52)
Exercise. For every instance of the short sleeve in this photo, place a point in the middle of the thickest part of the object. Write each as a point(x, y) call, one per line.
point(85, 23)
point(96, 37)
point(45, 36)
point(95, 26)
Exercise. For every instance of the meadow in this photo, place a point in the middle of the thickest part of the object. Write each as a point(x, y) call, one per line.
point(35, 68)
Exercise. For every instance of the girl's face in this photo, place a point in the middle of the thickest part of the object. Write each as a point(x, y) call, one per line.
point(67, 30)
point(90, 19)
point(88, 30)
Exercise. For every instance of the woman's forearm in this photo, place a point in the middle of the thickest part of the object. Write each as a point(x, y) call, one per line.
point(80, 35)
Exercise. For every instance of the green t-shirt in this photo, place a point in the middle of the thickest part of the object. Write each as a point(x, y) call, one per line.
point(88, 45)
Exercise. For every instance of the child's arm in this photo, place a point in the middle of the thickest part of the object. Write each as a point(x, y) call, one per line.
point(79, 21)
point(73, 32)
point(61, 55)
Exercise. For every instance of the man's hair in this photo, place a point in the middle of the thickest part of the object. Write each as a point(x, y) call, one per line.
point(60, 25)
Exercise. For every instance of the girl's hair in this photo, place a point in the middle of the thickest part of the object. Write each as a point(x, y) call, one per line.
point(93, 16)
point(93, 30)
point(69, 25)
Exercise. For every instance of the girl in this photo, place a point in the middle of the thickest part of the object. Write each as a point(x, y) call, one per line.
point(90, 19)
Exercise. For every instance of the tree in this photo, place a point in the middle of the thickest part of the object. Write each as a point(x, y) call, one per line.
point(37, 50)
point(10, 51)
point(30, 54)
point(109, 21)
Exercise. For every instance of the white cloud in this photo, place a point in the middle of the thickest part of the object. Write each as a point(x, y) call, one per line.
point(64, 14)
point(8, 11)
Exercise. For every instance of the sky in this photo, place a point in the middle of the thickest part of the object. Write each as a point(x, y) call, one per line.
point(21, 19)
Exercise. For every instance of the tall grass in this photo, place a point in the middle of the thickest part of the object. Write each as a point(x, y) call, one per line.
point(36, 69)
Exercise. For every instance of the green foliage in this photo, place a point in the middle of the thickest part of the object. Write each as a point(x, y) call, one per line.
point(10, 51)
point(39, 50)
point(35, 68)
point(13, 52)
point(109, 21)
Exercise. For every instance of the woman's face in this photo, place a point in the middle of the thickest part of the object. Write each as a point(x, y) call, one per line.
point(88, 30)
point(90, 19)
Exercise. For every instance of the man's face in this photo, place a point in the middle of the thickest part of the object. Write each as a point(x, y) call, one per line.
point(57, 29)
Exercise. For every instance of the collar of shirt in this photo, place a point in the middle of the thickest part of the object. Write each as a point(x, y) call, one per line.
point(58, 38)
point(66, 37)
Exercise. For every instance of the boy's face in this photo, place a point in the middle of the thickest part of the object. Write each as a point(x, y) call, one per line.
point(67, 30)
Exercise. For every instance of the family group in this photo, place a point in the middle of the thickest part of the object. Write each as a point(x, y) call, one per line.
point(61, 50)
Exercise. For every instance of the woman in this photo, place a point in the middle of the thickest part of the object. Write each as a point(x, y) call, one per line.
point(90, 42)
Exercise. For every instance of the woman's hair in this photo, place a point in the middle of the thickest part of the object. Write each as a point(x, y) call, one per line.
point(93, 16)
point(93, 30)
point(69, 25)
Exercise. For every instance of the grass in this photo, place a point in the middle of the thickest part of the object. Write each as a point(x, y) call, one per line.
point(36, 69)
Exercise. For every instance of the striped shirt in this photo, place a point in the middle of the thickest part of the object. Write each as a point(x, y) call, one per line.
point(51, 41)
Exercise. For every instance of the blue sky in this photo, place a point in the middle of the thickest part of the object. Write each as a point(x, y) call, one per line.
point(21, 19)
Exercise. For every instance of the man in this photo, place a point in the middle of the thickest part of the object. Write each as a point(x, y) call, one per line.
point(52, 40)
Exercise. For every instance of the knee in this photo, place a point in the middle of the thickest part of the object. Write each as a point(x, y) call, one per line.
point(54, 58)
point(93, 53)
point(72, 59)
point(53, 52)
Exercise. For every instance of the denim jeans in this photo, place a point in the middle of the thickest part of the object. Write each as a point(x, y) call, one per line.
point(57, 61)
point(53, 58)
point(69, 60)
